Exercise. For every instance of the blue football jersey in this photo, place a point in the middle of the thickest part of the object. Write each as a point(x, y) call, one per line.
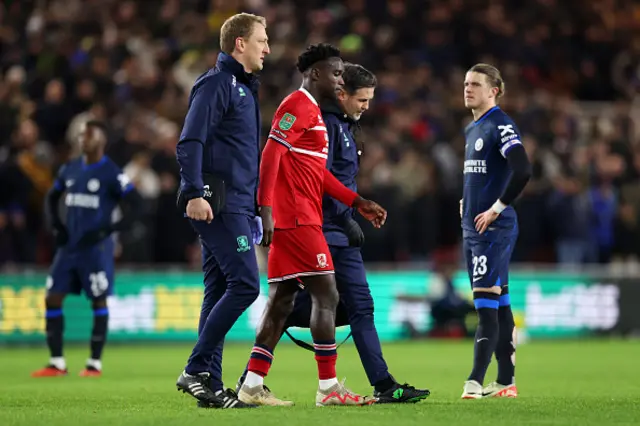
point(92, 192)
point(486, 171)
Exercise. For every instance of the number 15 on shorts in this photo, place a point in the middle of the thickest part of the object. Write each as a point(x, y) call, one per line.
point(99, 283)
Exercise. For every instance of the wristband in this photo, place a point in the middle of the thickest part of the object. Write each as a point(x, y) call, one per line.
point(498, 206)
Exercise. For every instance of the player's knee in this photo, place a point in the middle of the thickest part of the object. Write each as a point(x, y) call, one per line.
point(282, 307)
point(333, 297)
point(54, 301)
point(324, 292)
point(99, 303)
point(496, 289)
point(486, 304)
point(327, 299)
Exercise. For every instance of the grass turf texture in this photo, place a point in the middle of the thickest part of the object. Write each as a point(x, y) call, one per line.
point(568, 383)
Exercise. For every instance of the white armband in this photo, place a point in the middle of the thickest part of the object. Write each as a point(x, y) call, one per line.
point(498, 206)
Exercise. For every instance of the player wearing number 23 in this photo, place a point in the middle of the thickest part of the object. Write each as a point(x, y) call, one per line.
point(496, 169)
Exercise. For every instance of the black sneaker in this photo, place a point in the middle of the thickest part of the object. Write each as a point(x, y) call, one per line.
point(197, 386)
point(226, 399)
point(399, 394)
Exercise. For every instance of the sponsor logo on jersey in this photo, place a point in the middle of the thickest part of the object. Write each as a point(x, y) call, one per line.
point(86, 201)
point(475, 166)
point(509, 137)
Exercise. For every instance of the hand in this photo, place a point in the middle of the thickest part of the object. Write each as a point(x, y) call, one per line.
point(354, 233)
point(371, 211)
point(93, 237)
point(460, 209)
point(483, 220)
point(268, 225)
point(61, 236)
point(199, 209)
point(256, 230)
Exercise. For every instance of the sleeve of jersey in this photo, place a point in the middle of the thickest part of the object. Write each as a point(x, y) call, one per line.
point(521, 168)
point(131, 204)
point(508, 137)
point(122, 185)
point(58, 184)
point(289, 123)
point(334, 188)
point(269, 166)
point(207, 106)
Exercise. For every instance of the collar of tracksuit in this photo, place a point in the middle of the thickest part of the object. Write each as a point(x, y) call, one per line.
point(334, 108)
point(229, 64)
point(354, 125)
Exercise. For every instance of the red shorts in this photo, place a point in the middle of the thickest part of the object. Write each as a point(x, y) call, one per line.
point(298, 252)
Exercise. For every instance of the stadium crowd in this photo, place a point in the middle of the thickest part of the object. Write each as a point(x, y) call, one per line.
point(572, 73)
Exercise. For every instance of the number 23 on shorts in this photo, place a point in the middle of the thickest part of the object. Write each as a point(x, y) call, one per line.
point(488, 262)
point(479, 267)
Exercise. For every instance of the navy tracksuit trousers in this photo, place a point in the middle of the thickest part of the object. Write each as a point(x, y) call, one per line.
point(231, 285)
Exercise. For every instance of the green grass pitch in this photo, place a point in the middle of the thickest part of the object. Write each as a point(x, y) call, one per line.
point(590, 382)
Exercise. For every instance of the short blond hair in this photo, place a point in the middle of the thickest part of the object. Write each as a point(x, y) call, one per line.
point(493, 76)
point(239, 25)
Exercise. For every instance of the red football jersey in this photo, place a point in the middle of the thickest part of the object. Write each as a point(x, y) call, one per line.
point(298, 125)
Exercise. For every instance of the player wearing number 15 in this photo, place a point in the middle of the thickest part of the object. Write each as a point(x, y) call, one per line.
point(496, 169)
point(93, 186)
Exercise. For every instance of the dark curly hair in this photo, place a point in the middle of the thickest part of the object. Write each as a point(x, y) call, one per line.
point(357, 77)
point(316, 53)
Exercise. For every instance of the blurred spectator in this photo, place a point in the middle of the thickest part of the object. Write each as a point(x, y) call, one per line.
point(26, 178)
point(54, 113)
point(449, 309)
point(570, 214)
point(142, 175)
point(572, 72)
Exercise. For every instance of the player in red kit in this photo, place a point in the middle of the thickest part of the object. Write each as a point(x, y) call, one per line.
point(293, 179)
